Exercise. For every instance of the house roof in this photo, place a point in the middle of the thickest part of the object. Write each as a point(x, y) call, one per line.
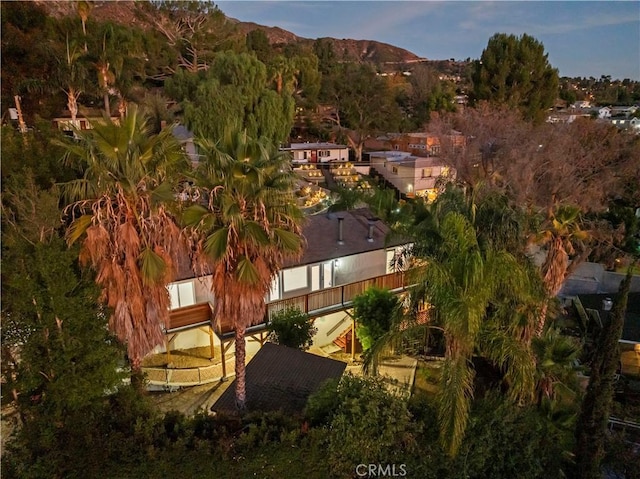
point(313, 146)
point(321, 233)
point(182, 133)
point(281, 378)
point(631, 329)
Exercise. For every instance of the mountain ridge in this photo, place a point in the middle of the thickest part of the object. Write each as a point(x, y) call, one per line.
point(127, 12)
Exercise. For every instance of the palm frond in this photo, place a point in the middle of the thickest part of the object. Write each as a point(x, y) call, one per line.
point(78, 227)
point(216, 244)
point(152, 267)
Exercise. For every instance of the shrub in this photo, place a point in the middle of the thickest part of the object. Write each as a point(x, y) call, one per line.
point(293, 328)
point(374, 310)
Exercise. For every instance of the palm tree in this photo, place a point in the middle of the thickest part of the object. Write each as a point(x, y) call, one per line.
point(484, 301)
point(247, 226)
point(562, 231)
point(556, 356)
point(119, 209)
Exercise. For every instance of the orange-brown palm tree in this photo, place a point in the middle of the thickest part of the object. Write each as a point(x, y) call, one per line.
point(247, 225)
point(119, 209)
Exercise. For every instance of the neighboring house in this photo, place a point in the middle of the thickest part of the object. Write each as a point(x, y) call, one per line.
point(410, 175)
point(422, 144)
point(623, 110)
point(317, 152)
point(345, 253)
point(83, 121)
point(604, 112)
point(581, 104)
point(625, 123)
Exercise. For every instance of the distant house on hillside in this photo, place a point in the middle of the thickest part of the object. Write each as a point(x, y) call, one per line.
point(84, 121)
point(581, 104)
point(410, 175)
point(604, 112)
point(317, 152)
point(422, 144)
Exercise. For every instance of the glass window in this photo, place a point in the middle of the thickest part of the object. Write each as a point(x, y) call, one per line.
point(294, 278)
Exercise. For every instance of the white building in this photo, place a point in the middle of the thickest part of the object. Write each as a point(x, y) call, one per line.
point(317, 152)
point(411, 175)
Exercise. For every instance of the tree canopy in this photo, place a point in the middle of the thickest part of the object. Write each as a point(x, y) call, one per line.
point(515, 71)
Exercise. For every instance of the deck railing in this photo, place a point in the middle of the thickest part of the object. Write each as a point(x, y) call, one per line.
point(315, 303)
point(338, 297)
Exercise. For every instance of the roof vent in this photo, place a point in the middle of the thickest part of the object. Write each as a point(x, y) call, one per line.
point(340, 226)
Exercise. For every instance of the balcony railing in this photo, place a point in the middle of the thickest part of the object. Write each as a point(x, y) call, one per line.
point(314, 304)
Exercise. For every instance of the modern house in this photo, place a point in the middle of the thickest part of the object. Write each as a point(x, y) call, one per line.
point(317, 152)
point(410, 175)
point(345, 254)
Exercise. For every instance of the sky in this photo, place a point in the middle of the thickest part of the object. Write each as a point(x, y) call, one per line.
point(582, 38)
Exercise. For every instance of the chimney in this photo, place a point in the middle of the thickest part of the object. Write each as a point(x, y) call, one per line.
point(340, 223)
point(372, 221)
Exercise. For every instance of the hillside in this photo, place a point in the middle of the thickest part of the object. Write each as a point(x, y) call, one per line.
point(128, 13)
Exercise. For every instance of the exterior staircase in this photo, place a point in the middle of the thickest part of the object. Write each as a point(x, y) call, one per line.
point(344, 341)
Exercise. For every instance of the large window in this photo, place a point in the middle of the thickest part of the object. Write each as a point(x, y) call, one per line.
point(324, 153)
point(294, 278)
point(182, 294)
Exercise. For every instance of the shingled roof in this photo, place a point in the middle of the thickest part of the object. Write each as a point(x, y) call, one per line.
point(281, 378)
point(321, 233)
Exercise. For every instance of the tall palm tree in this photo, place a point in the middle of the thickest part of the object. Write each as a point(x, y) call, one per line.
point(483, 300)
point(119, 210)
point(246, 227)
point(561, 234)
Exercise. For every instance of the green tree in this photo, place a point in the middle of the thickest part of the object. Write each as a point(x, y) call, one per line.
point(235, 92)
point(58, 358)
point(374, 311)
point(365, 104)
point(364, 423)
point(592, 423)
point(483, 301)
point(515, 71)
point(293, 328)
point(248, 225)
point(120, 210)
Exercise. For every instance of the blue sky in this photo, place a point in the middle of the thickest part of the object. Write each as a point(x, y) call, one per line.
point(582, 38)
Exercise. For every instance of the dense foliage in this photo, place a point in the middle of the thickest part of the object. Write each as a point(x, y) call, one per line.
point(374, 311)
point(293, 328)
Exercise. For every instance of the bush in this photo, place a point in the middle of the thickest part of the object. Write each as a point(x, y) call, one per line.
point(374, 310)
point(293, 328)
point(365, 423)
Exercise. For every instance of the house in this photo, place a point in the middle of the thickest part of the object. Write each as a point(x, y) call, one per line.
point(581, 104)
point(345, 253)
point(317, 152)
point(422, 144)
point(604, 112)
point(83, 121)
point(279, 378)
point(411, 175)
point(625, 123)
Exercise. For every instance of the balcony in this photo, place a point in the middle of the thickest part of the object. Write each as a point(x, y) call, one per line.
point(314, 304)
